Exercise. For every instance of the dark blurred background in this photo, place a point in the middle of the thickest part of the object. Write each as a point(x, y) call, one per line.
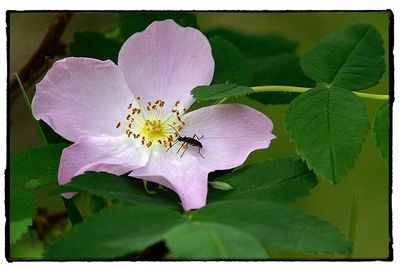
point(369, 177)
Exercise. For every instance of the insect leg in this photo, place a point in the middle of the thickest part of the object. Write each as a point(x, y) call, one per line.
point(181, 147)
point(184, 151)
point(200, 153)
point(198, 138)
point(176, 141)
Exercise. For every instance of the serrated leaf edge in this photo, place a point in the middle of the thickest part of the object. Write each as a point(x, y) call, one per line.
point(316, 169)
point(374, 131)
point(215, 98)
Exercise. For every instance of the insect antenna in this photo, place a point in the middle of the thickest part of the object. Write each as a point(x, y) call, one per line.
point(173, 128)
point(176, 141)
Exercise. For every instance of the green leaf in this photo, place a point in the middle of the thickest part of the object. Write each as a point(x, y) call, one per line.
point(351, 58)
point(381, 130)
point(277, 180)
point(132, 22)
point(22, 210)
point(276, 226)
point(274, 98)
point(36, 167)
point(30, 169)
point(207, 240)
point(255, 46)
point(230, 64)
point(218, 91)
point(94, 45)
point(327, 127)
point(116, 187)
point(219, 173)
point(281, 69)
point(114, 232)
point(51, 136)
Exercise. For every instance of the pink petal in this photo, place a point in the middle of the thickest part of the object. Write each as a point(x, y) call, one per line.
point(115, 155)
point(230, 133)
point(82, 96)
point(166, 61)
point(182, 175)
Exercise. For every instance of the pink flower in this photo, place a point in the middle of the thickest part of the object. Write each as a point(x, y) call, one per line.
point(122, 118)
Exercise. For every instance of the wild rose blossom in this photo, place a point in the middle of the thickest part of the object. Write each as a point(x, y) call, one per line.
point(124, 118)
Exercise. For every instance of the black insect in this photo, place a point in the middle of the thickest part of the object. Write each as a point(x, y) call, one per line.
point(192, 141)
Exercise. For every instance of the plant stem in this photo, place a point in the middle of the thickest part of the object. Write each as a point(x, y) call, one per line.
point(217, 102)
point(146, 188)
point(28, 104)
point(279, 88)
point(73, 212)
point(353, 220)
point(107, 202)
point(50, 47)
point(85, 204)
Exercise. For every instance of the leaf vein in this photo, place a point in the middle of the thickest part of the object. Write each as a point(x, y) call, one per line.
point(348, 56)
point(280, 181)
point(331, 147)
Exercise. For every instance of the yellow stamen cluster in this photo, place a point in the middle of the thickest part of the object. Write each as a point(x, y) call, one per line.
point(153, 128)
point(152, 125)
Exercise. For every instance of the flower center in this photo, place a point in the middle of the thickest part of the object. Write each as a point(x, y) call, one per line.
point(153, 124)
point(153, 129)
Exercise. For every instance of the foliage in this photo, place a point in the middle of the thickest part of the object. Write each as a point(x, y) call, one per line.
point(351, 58)
point(36, 167)
point(30, 169)
point(277, 226)
point(256, 46)
point(381, 130)
point(272, 61)
point(327, 127)
point(230, 63)
point(126, 189)
point(210, 240)
point(94, 45)
point(116, 232)
point(280, 69)
point(278, 180)
point(327, 124)
point(218, 91)
point(132, 22)
point(22, 210)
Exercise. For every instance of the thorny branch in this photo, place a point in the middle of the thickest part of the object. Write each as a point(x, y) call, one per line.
point(50, 47)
